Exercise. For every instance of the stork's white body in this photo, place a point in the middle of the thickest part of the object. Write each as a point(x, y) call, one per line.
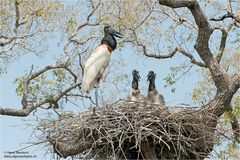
point(94, 67)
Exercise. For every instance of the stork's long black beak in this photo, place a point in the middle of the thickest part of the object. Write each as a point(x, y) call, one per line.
point(150, 75)
point(138, 76)
point(115, 33)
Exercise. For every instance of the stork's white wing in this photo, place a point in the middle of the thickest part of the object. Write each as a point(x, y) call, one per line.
point(94, 67)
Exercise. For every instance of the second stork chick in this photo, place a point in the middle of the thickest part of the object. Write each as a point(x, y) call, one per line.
point(153, 96)
point(134, 95)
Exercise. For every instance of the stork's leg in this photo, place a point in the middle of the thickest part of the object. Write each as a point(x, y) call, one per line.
point(96, 97)
point(103, 102)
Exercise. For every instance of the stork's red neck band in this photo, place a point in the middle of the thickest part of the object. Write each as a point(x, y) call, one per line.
point(108, 47)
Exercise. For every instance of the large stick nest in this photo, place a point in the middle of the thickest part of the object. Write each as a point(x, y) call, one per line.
point(132, 131)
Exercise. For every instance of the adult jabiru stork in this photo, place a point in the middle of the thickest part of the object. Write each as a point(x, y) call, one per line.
point(134, 95)
point(153, 96)
point(99, 60)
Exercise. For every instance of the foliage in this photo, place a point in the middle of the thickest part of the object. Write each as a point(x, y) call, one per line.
point(24, 27)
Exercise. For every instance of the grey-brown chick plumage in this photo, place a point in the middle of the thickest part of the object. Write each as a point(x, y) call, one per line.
point(153, 97)
point(134, 95)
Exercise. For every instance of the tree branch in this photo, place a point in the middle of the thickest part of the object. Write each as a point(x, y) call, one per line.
point(70, 39)
point(202, 47)
point(223, 41)
point(229, 14)
point(221, 18)
point(235, 82)
point(169, 55)
point(28, 109)
point(6, 42)
point(49, 67)
point(33, 76)
point(17, 16)
point(16, 25)
point(221, 102)
point(176, 3)
point(180, 19)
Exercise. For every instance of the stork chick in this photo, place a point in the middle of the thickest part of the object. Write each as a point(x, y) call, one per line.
point(134, 95)
point(99, 60)
point(153, 96)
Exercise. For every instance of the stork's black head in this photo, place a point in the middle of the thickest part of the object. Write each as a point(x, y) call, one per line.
point(109, 37)
point(112, 32)
point(136, 78)
point(136, 75)
point(151, 78)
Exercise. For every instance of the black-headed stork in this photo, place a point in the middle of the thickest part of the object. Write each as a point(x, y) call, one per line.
point(99, 60)
point(134, 95)
point(153, 96)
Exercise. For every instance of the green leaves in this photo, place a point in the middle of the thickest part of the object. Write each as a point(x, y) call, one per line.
point(40, 12)
point(72, 23)
point(231, 151)
point(41, 84)
point(59, 74)
point(49, 96)
point(19, 89)
point(169, 80)
point(172, 77)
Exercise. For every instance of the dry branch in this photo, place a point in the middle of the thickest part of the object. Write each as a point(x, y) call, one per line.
point(223, 41)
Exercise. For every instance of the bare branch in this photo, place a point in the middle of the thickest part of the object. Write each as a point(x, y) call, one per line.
point(180, 19)
point(71, 72)
point(148, 15)
point(223, 42)
point(78, 42)
point(176, 3)
point(235, 82)
point(17, 17)
point(94, 8)
point(169, 55)
point(87, 23)
point(6, 42)
point(228, 15)
point(80, 95)
point(230, 6)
